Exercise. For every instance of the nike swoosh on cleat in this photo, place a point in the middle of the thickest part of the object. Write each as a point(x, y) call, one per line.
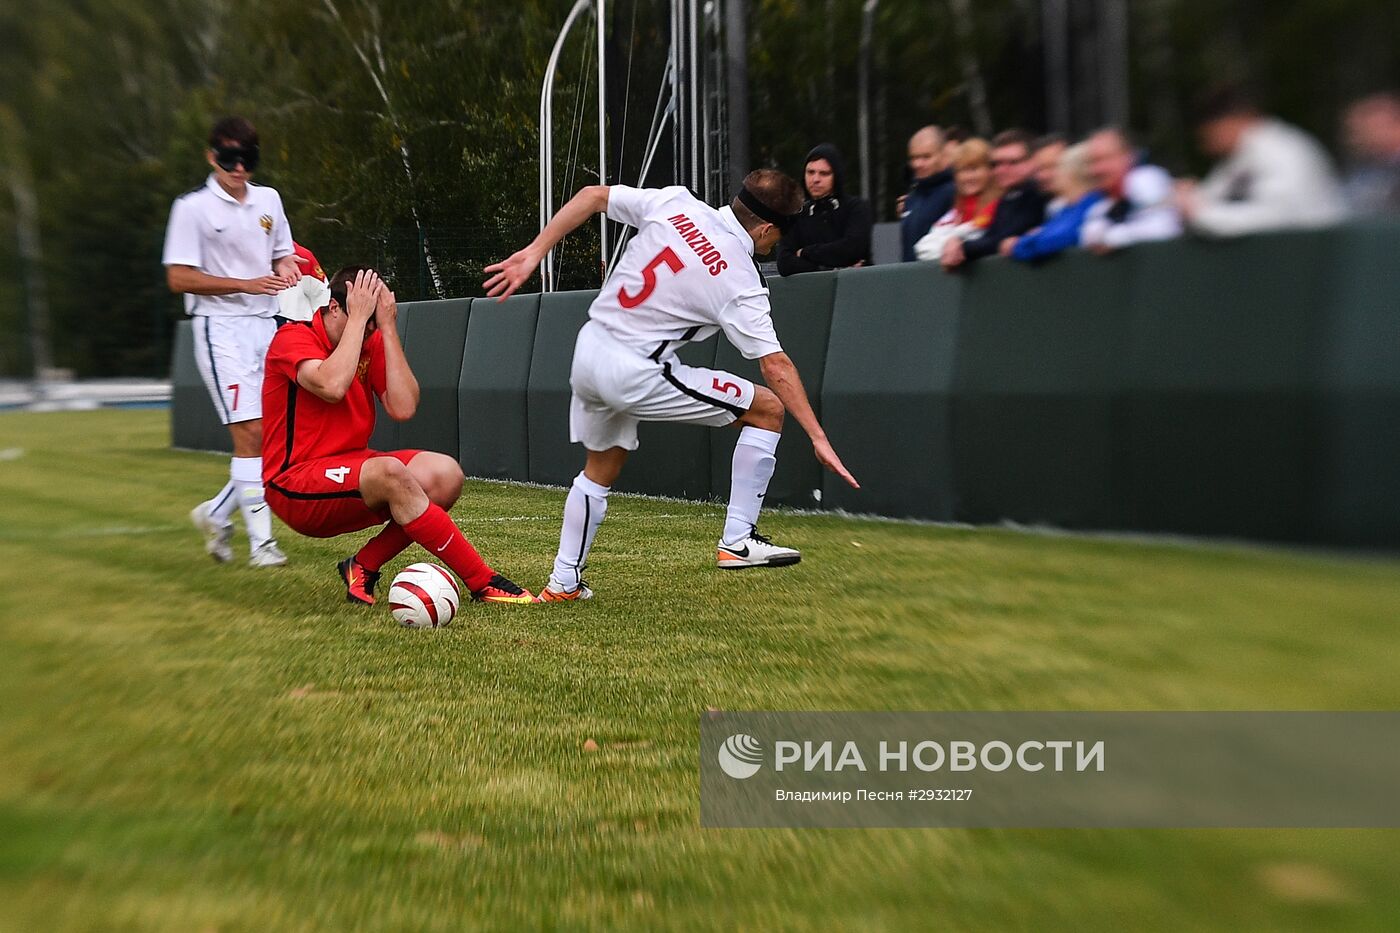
point(738, 553)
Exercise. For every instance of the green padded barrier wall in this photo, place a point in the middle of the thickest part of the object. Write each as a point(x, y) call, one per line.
point(1248, 388)
point(886, 395)
point(1037, 396)
point(1358, 501)
point(673, 459)
point(491, 395)
point(1221, 433)
point(553, 459)
point(194, 424)
point(434, 350)
point(387, 431)
point(802, 316)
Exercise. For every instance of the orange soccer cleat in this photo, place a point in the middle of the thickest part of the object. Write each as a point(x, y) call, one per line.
point(359, 582)
point(551, 595)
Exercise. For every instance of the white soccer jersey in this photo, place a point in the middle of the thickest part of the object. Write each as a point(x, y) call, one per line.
point(688, 273)
point(217, 235)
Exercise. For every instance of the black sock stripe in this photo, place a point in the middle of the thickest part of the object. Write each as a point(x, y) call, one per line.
point(583, 538)
point(232, 488)
point(670, 377)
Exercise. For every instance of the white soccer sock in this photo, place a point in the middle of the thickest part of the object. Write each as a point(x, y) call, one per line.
point(222, 506)
point(583, 513)
point(754, 461)
point(246, 473)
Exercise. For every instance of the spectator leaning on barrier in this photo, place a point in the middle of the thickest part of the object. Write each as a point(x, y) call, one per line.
point(931, 194)
point(974, 206)
point(1073, 187)
point(1272, 176)
point(1373, 138)
point(1046, 154)
point(1139, 205)
point(833, 230)
point(1021, 207)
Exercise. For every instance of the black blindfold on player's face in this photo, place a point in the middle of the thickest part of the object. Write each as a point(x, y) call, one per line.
point(228, 157)
point(763, 212)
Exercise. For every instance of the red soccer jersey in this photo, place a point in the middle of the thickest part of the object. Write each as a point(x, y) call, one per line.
point(299, 426)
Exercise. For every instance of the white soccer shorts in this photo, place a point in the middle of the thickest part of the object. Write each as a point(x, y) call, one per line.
point(615, 387)
point(230, 351)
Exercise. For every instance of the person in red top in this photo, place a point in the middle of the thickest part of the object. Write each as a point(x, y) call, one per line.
point(321, 477)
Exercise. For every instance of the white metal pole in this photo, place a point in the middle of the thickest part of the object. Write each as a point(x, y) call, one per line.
point(694, 97)
point(602, 130)
point(547, 138)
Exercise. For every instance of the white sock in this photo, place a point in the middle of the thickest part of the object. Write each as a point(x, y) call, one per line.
point(246, 473)
point(583, 513)
point(754, 461)
point(222, 506)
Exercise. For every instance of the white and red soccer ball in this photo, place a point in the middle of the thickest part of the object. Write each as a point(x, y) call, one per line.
point(424, 596)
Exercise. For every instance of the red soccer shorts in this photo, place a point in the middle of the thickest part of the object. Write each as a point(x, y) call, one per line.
point(321, 498)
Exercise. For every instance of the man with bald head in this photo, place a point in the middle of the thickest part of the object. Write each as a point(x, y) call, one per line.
point(931, 192)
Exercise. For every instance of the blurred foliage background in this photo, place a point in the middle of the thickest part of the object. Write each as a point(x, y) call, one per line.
point(406, 134)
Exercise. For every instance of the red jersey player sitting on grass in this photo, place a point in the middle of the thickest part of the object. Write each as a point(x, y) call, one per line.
point(321, 478)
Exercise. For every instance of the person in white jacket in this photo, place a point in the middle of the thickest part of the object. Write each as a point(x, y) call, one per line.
point(1138, 205)
point(1271, 175)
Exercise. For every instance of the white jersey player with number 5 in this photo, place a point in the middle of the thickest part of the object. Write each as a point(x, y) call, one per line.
point(687, 274)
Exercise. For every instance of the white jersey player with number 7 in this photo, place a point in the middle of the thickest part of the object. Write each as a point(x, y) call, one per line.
point(688, 273)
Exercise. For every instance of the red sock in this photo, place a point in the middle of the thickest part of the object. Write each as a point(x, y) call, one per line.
point(435, 531)
point(383, 547)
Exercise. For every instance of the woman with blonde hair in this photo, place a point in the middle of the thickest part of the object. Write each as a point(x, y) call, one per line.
point(974, 205)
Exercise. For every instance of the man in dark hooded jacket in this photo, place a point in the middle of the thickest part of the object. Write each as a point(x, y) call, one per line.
point(833, 231)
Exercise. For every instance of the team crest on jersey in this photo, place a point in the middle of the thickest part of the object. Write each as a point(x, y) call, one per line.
point(362, 371)
point(266, 221)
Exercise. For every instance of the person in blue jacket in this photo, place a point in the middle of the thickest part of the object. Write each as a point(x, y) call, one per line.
point(1074, 189)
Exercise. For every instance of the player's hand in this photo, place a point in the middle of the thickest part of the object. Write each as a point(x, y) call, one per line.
point(287, 269)
point(264, 285)
point(509, 274)
point(1007, 245)
point(386, 309)
point(362, 296)
point(826, 456)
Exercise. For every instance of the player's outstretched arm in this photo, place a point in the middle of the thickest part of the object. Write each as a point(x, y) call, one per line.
point(400, 396)
point(509, 274)
point(330, 379)
point(781, 376)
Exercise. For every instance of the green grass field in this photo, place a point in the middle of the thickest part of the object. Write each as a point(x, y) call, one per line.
point(185, 746)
